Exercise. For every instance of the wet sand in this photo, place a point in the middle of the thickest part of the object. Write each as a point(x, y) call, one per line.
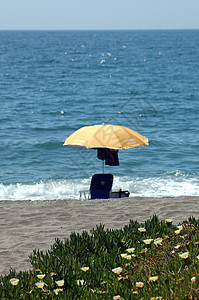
point(28, 225)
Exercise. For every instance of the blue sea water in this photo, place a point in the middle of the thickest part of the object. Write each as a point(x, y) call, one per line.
point(54, 82)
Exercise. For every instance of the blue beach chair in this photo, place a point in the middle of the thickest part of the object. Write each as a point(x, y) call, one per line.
point(100, 188)
point(101, 185)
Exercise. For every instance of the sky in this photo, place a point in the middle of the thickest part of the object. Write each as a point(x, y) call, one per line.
point(98, 14)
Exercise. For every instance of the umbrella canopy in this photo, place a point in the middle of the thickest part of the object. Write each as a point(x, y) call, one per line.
point(106, 136)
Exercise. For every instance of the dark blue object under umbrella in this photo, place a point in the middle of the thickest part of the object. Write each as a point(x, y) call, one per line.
point(109, 156)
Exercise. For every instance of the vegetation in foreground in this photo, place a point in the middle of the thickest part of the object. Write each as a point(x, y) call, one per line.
point(154, 260)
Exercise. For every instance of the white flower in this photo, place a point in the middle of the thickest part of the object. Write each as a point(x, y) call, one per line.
point(193, 279)
point(117, 270)
point(184, 255)
point(123, 255)
point(158, 241)
point(57, 291)
point(60, 282)
point(40, 284)
point(180, 227)
point(129, 257)
point(139, 284)
point(153, 278)
point(130, 250)
point(141, 229)
point(80, 282)
point(117, 297)
point(14, 281)
point(148, 241)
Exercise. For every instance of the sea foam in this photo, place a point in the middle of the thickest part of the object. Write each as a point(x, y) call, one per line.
point(165, 186)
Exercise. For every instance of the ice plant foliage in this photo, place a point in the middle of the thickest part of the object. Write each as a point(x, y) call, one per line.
point(114, 264)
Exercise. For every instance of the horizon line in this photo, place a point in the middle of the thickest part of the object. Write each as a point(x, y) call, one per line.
point(146, 29)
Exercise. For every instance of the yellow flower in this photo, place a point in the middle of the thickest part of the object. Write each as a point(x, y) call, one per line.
point(139, 284)
point(80, 282)
point(41, 276)
point(85, 269)
point(158, 241)
point(123, 255)
point(153, 278)
point(130, 250)
point(169, 221)
point(184, 255)
point(141, 229)
point(60, 282)
point(180, 227)
point(117, 270)
point(177, 231)
point(57, 291)
point(197, 257)
point(40, 284)
point(14, 281)
point(148, 241)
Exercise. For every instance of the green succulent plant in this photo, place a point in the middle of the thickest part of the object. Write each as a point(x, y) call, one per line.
point(114, 264)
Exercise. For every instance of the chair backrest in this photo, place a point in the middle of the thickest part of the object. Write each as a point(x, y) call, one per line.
point(101, 185)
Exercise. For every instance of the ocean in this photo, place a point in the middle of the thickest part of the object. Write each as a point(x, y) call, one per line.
point(54, 82)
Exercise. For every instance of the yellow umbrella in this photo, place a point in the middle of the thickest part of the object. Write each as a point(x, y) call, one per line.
point(106, 136)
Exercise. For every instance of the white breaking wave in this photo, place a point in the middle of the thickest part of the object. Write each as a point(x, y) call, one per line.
point(161, 187)
point(168, 186)
point(43, 190)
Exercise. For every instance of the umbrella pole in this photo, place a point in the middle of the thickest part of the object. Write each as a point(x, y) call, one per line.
point(103, 166)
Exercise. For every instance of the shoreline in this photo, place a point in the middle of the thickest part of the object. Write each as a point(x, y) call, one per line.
point(27, 225)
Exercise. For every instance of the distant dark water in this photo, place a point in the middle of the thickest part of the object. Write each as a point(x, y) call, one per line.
point(54, 82)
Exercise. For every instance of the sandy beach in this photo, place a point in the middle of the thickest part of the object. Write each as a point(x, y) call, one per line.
point(28, 225)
